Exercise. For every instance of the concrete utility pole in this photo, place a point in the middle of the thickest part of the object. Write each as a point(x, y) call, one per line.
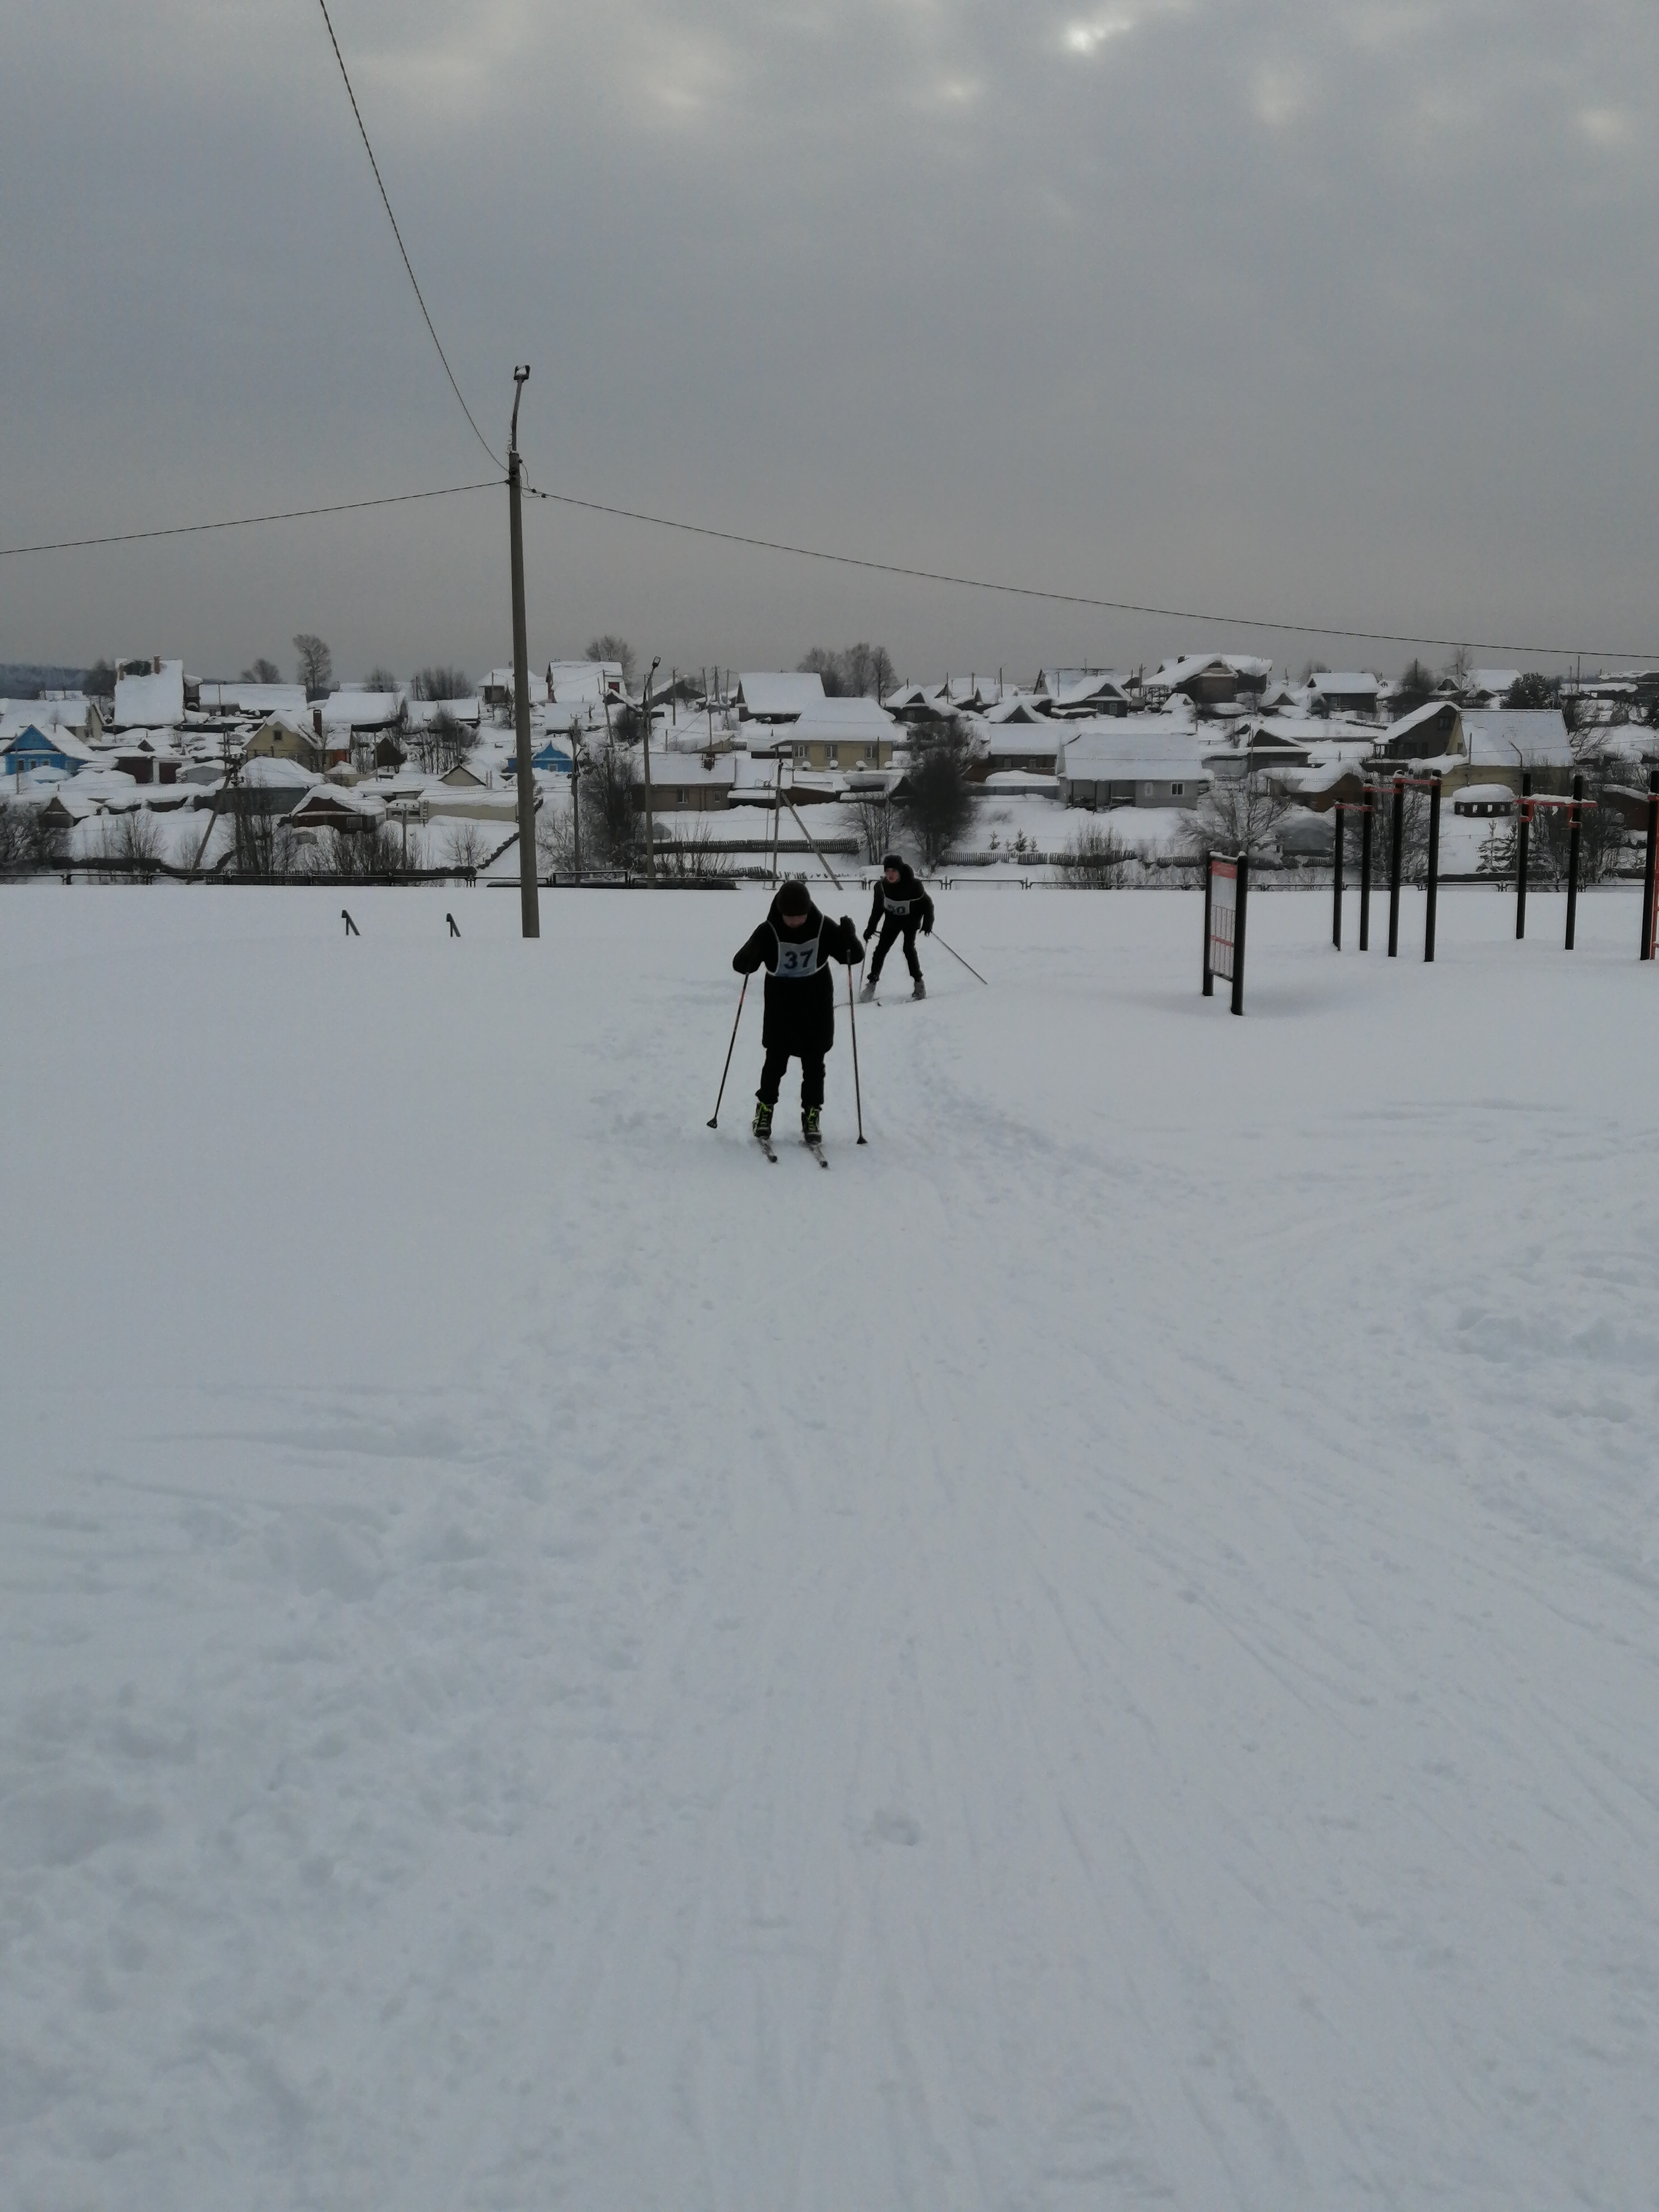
point(650, 820)
point(529, 907)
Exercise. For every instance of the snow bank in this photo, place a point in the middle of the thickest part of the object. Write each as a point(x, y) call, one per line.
point(1104, 1651)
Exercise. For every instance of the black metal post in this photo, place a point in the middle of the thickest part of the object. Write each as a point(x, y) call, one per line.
point(1365, 868)
point(1239, 890)
point(1397, 819)
point(1209, 973)
point(1648, 873)
point(1523, 839)
point(530, 923)
point(1336, 878)
point(1575, 825)
point(1434, 867)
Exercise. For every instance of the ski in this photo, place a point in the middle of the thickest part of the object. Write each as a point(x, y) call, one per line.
point(765, 1144)
point(815, 1146)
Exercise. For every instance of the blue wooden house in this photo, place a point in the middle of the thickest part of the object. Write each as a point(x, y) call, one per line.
point(551, 759)
point(31, 748)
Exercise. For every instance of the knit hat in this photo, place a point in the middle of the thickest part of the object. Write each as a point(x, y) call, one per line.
point(794, 898)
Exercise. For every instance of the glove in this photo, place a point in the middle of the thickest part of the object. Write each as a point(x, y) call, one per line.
point(927, 924)
point(870, 932)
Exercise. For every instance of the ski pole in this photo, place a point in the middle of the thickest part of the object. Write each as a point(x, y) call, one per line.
point(852, 1016)
point(714, 1118)
point(955, 955)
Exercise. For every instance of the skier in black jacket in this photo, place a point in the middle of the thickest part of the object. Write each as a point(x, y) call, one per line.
point(794, 945)
point(899, 905)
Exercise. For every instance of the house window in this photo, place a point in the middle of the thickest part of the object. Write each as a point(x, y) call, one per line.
point(683, 795)
point(1178, 791)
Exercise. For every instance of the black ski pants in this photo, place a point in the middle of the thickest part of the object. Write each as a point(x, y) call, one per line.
point(891, 928)
point(812, 1075)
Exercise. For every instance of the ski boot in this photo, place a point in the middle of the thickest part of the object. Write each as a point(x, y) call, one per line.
point(810, 1130)
point(918, 988)
point(869, 990)
point(763, 1120)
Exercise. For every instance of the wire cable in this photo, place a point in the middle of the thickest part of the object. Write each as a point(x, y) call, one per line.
point(386, 204)
point(1078, 599)
point(247, 522)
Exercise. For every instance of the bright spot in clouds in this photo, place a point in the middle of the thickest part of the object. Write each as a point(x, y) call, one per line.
point(1605, 126)
point(1088, 38)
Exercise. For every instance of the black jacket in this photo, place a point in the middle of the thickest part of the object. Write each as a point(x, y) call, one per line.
point(800, 1005)
point(905, 901)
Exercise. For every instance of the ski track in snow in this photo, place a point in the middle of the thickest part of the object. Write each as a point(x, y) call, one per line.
point(1103, 1654)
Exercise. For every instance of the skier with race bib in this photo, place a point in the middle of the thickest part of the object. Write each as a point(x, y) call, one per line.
point(899, 906)
point(795, 944)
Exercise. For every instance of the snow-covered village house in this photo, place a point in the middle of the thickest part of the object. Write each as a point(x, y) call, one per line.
point(842, 733)
point(22, 752)
point(1148, 761)
point(152, 694)
point(1209, 680)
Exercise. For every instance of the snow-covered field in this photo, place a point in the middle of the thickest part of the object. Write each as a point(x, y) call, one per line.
point(1104, 1651)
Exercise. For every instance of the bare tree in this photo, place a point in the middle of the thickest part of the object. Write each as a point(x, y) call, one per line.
point(468, 846)
point(262, 671)
point(1096, 861)
point(136, 843)
point(99, 680)
point(935, 800)
point(441, 744)
point(1414, 690)
point(263, 847)
point(380, 679)
point(443, 683)
point(610, 647)
point(872, 818)
point(854, 672)
point(691, 858)
point(1237, 814)
point(316, 665)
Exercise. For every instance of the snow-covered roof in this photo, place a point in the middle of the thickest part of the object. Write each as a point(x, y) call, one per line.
point(779, 694)
point(276, 775)
point(689, 771)
point(153, 700)
point(844, 718)
point(351, 709)
point(252, 699)
point(1429, 711)
point(63, 742)
point(424, 712)
point(1484, 794)
point(1019, 707)
point(1496, 683)
point(1531, 737)
point(1149, 745)
point(1186, 666)
point(1347, 683)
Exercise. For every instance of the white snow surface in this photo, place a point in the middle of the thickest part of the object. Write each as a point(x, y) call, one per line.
point(1104, 1652)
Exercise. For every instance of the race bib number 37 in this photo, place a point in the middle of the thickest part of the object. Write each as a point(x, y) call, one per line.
point(797, 962)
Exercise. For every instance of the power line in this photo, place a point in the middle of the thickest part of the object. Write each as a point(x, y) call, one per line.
point(386, 204)
point(247, 522)
point(1078, 599)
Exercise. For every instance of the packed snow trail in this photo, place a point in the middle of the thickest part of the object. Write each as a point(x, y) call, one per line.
point(1105, 1653)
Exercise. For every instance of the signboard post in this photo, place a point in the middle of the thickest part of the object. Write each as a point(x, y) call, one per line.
point(1226, 885)
point(1649, 890)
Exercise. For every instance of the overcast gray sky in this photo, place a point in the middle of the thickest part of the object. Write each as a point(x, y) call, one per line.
point(1339, 312)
